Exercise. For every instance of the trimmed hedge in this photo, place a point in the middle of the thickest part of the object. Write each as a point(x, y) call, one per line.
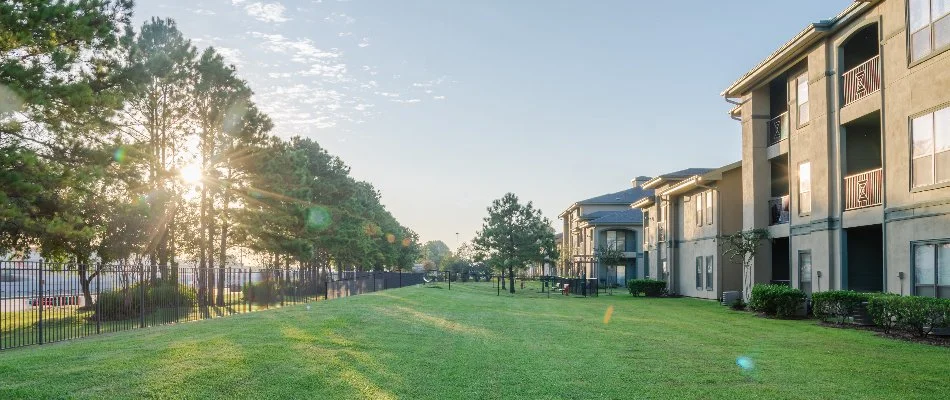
point(261, 293)
point(120, 304)
point(837, 305)
point(776, 300)
point(648, 287)
point(914, 314)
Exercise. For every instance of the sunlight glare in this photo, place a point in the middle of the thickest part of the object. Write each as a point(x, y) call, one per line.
point(191, 174)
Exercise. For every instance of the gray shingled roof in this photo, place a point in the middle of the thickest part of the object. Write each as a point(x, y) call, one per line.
point(620, 217)
point(623, 197)
point(686, 173)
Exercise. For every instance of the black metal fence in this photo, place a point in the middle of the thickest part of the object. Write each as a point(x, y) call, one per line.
point(43, 302)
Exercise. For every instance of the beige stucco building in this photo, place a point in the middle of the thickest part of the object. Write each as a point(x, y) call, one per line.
point(682, 222)
point(846, 151)
point(605, 221)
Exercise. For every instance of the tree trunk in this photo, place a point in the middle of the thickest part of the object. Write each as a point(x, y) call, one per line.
point(202, 248)
point(511, 280)
point(223, 249)
point(211, 270)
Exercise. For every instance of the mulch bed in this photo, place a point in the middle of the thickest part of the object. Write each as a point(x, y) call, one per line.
point(942, 341)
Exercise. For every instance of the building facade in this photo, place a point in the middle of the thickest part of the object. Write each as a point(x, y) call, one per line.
point(690, 210)
point(604, 222)
point(846, 151)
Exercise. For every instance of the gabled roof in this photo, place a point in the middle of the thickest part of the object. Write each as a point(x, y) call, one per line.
point(620, 217)
point(623, 197)
point(676, 176)
point(693, 182)
point(794, 47)
point(596, 214)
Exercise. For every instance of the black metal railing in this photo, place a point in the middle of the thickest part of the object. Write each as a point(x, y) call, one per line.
point(42, 302)
point(778, 129)
point(779, 210)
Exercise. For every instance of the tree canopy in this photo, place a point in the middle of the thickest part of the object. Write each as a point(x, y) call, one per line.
point(514, 236)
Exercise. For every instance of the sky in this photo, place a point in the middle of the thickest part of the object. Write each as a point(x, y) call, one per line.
point(446, 105)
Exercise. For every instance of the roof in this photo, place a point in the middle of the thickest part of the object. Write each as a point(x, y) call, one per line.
point(694, 181)
point(793, 48)
point(620, 217)
point(596, 214)
point(623, 197)
point(676, 176)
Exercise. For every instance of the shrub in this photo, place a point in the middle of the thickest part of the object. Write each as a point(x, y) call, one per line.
point(837, 304)
point(649, 287)
point(738, 305)
point(119, 304)
point(882, 307)
point(921, 315)
point(261, 293)
point(779, 300)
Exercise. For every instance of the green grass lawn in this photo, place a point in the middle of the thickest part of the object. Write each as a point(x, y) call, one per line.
point(466, 343)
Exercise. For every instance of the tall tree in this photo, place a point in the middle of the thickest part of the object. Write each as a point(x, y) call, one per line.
point(435, 253)
point(513, 236)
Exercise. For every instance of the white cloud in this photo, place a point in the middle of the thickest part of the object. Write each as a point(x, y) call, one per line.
point(340, 18)
point(410, 101)
point(300, 50)
point(344, 34)
point(387, 94)
point(364, 42)
point(266, 12)
point(230, 55)
point(202, 11)
point(438, 97)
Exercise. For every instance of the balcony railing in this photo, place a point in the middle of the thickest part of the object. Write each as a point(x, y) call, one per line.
point(864, 189)
point(778, 128)
point(778, 210)
point(660, 233)
point(862, 80)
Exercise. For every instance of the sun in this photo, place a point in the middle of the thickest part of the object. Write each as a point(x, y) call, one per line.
point(191, 174)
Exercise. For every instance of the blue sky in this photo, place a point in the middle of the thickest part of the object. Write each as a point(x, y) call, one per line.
point(447, 105)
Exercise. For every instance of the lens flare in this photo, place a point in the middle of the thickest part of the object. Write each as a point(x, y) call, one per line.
point(390, 238)
point(318, 217)
point(10, 102)
point(119, 155)
point(406, 242)
point(192, 174)
point(608, 314)
point(745, 363)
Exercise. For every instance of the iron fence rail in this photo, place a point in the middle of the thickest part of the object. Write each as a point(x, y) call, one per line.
point(42, 302)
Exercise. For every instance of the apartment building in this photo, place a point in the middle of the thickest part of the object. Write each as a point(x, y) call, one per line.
point(682, 221)
point(846, 151)
point(604, 222)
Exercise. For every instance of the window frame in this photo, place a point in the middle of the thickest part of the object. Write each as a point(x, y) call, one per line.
point(699, 209)
point(934, 51)
point(709, 273)
point(700, 273)
point(802, 212)
point(932, 112)
point(709, 207)
point(798, 97)
point(936, 244)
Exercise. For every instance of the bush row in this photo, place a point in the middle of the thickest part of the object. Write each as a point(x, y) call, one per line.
point(914, 314)
point(777, 300)
point(646, 287)
point(120, 304)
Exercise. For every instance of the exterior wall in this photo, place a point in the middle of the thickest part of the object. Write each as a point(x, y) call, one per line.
point(908, 215)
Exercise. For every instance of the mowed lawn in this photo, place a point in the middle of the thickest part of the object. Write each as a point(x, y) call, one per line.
point(435, 343)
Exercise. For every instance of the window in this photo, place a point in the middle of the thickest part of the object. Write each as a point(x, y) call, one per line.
point(804, 188)
point(709, 207)
point(932, 270)
point(803, 99)
point(930, 148)
point(699, 209)
point(709, 273)
point(660, 215)
point(804, 271)
point(699, 273)
point(616, 240)
point(929, 27)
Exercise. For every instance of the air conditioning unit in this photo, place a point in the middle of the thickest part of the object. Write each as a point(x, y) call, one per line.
point(729, 297)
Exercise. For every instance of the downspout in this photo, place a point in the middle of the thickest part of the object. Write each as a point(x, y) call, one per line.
point(831, 68)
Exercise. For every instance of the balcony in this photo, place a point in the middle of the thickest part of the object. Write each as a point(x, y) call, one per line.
point(661, 233)
point(861, 81)
point(778, 210)
point(864, 189)
point(778, 128)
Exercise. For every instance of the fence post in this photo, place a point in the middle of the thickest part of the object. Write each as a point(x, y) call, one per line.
point(141, 296)
point(400, 277)
point(248, 289)
point(373, 277)
point(40, 300)
point(98, 311)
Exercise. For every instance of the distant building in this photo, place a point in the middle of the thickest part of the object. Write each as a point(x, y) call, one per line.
point(603, 222)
